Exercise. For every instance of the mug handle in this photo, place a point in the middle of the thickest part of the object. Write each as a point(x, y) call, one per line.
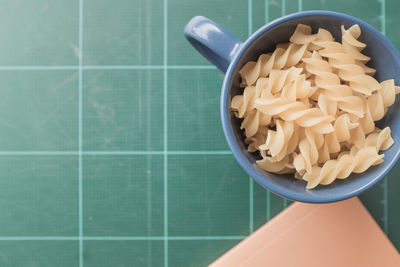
point(212, 41)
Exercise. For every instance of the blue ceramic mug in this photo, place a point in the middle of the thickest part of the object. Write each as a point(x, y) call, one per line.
point(229, 54)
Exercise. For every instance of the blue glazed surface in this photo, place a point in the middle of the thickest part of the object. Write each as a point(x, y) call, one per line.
point(385, 58)
point(212, 41)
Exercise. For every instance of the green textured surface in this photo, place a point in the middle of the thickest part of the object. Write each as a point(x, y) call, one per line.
point(109, 205)
point(203, 190)
point(42, 253)
point(123, 253)
point(132, 124)
point(112, 153)
point(192, 110)
point(39, 110)
point(197, 252)
point(39, 32)
point(38, 196)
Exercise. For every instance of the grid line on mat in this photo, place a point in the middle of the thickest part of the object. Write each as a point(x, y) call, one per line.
point(80, 119)
point(107, 67)
point(165, 89)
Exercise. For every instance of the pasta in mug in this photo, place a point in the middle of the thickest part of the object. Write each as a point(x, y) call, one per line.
point(309, 108)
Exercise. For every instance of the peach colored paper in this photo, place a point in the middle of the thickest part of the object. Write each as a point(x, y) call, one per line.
point(314, 235)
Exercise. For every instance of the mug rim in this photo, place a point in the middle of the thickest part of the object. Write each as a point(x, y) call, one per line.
point(228, 129)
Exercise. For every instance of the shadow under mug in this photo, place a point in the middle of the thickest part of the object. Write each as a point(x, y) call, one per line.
point(229, 55)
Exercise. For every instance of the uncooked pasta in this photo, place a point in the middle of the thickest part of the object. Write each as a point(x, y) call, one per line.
point(309, 108)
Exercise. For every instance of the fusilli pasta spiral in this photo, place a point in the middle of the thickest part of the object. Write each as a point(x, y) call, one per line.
point(279, 59)
point(342, 167)
point(309, 107)
point(348, 70)
point(296, 111)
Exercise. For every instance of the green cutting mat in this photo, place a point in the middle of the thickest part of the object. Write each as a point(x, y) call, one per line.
point(111, 149)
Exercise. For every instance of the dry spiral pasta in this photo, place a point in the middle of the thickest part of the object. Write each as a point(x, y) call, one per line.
point(279, 59)
point(310, 107)
point(337, 94)
point(255, 141)
point(352, 45)
point(284, 55)
point(347, 60)
point(342, 167)
point(376, 105)
point(296, 111)
point(244, 107)
point(380, 139)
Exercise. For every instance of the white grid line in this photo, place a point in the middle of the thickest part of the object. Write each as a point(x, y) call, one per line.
point(80, 85)
point(283, 10)
point(107, 67)
point(268, 211)
point(194, 67)
point(251, 205)
point(39, 238)
point(300, 5)
point(39, 153)
point(165, 76)
point(385, 181)
point(118, 238)
point(116, 153)
point(149, 67)
point(15, 68)
point(200, 152)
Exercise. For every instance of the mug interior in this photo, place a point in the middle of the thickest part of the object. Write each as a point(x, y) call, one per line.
point(384, 58)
